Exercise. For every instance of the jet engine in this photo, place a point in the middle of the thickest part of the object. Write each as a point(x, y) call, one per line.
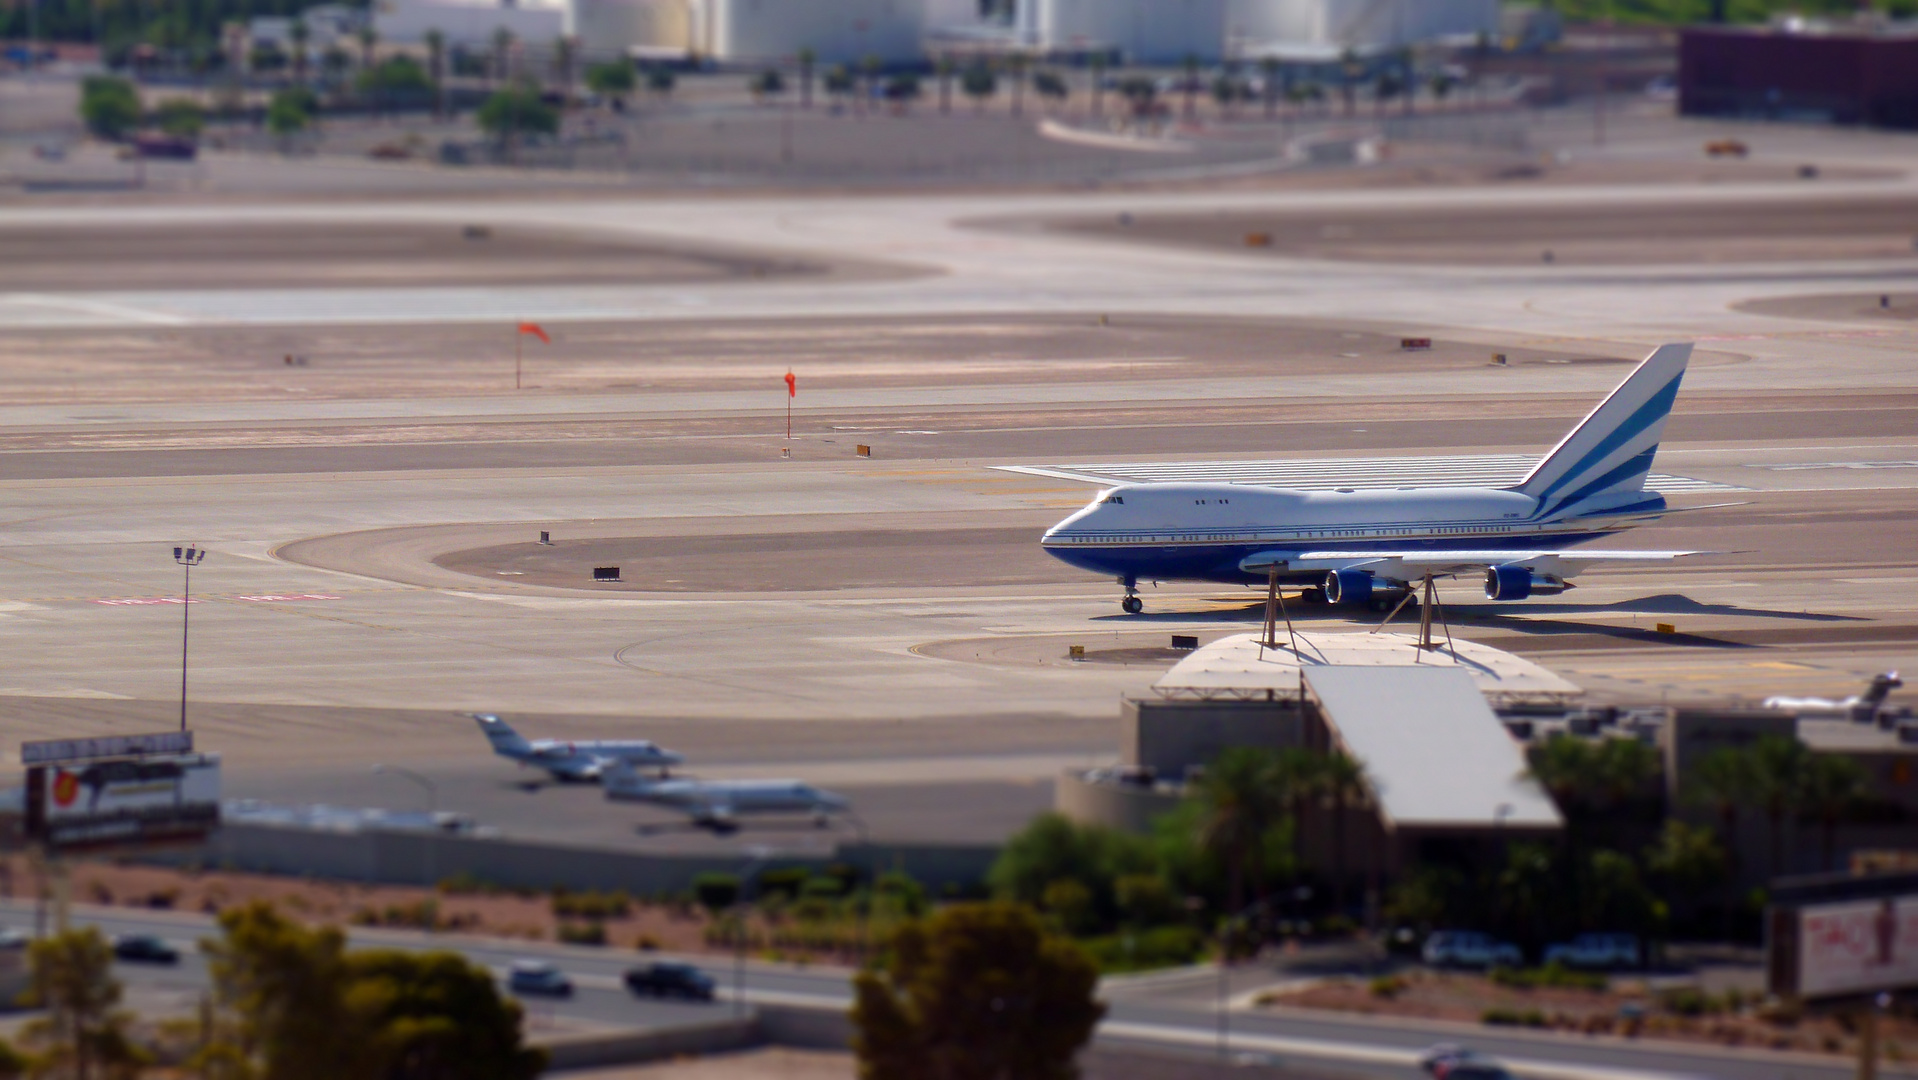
point(1348, 587)
point(1513, 582)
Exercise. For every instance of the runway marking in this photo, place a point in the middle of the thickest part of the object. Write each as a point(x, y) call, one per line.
point(1800, 466)
point(260, 598)
point(1324, 474)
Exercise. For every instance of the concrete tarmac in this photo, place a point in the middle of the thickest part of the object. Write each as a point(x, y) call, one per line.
point(883, 625)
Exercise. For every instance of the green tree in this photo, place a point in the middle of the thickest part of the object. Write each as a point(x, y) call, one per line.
point(83, 1027)
point(1686, 859)
point(297, 35)
point(1049, 85)
point(807, 58)
point(613, 79)
point(1269, 84)
point(436, 1016)
point(977, 992)
point(1098, 80)
point(513, 111)
point(369, 40)
point(1830, 786)
point(978, 83)
point(436, 70)
point(1342, 780)
point(1528, 892)
point(838, 80)
point(660, 81)
point(396, 80)
point(1723, 781)
point(109, 106)
point(1613, 896)
point(1777, 779)
point(768, 83)
point(290, 112)
point(281, 989)
point(182, 118)
point(1054, 849)
point(1243, 798)
point(502, 54)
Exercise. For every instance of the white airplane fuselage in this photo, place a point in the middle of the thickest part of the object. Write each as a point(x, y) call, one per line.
point(1201, 532)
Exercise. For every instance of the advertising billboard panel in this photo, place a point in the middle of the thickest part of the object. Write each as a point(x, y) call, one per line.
point(124, 802)
point(1858, 946)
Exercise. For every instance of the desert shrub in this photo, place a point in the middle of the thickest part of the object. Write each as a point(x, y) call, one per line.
point(1388, 986)
point(586, 933)
point(1513, 1018)
point(716, 891)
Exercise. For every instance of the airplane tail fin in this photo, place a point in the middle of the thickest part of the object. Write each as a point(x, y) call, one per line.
point(1611, 450)
point(505, 740)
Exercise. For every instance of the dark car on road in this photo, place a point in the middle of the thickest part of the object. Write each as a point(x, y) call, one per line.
point(145, 949)
point(670, 980)
point(539, 978)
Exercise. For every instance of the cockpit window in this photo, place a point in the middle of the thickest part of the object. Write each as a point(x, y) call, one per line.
point(1113, 499)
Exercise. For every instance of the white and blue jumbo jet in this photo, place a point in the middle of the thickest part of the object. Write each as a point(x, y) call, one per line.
point(575, 762)
point(1356, 545)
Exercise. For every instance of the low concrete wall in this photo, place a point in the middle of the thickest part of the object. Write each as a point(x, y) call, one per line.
point(809, 1027)
point(592, 1049)
point(422, 859)
point(1116, 806)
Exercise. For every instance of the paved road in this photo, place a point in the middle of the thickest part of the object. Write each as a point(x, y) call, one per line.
point(1380, 1048)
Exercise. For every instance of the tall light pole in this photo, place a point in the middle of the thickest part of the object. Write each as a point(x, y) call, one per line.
point(188, 557)
point(432, 814)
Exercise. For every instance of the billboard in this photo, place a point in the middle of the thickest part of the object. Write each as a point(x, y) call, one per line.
point(52, 751)
point(123, 802)
point(1858, 946)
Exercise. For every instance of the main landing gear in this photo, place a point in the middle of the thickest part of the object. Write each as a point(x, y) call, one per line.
point(1131, 605)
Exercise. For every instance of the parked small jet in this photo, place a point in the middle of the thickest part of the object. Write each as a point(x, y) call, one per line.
point(1361, 544)
point(1864, 708)
point(578, 762)
point(719, 804)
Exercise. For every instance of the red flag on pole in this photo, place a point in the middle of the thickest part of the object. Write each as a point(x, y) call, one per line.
point(535, 330)
point(792, 385)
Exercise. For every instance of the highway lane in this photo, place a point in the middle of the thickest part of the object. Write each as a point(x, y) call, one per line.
point(1382, 1047)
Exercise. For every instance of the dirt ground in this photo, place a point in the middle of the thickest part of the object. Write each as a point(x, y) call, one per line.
point(1626, 1008)
point(493, 914)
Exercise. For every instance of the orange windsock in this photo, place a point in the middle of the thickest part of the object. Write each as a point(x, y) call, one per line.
point(792, 385)
point(535, 330)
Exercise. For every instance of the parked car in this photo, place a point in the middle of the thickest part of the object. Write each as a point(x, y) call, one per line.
point(539, 978)
point(145, 949)
point(670, 980)
point(1596, 951)
point(1469, 948)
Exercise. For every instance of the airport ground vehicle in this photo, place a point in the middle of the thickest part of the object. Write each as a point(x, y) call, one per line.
point(1596, 951)
point(145, 949)
point(539, 978)
point(670, 980)
point(1470, 948)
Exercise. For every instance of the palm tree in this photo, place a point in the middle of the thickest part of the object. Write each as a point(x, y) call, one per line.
point(1268, 84)
point(1242, 797)
point(1191, 85)
point(436, 70)
point(807, 58)
point(297, 35)
point(1722, 780)
point(1341, 779)
point(1778, 776)
point(1016, 74)
point(369, 38)
point(1299, 770)
point(945, 69)
point(502, 53)
point(564, 49)
point(1828, 788)
point(1098, 67)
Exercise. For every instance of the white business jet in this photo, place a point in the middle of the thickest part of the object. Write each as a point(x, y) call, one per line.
point(1356, 545)
point(574, 762)
point(719, 804)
